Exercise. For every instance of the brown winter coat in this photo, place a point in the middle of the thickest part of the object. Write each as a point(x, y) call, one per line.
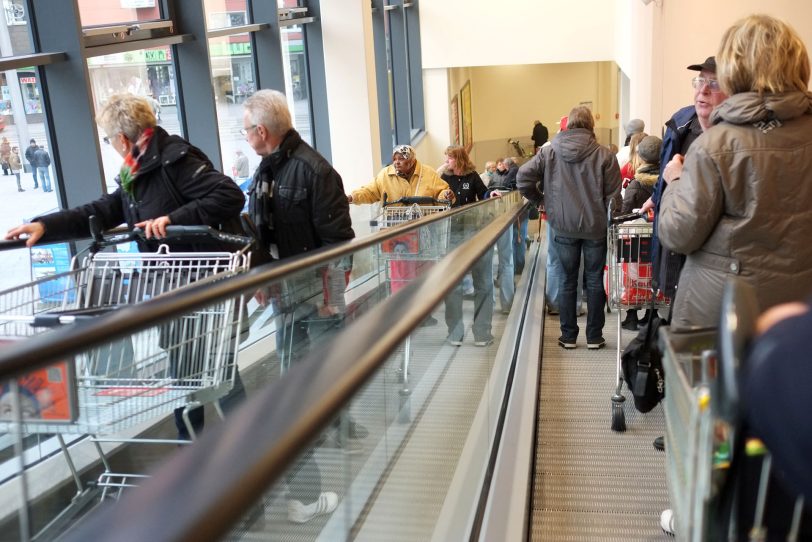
point(743, 206)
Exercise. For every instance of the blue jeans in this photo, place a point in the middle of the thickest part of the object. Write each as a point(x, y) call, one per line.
point(594, 251)
point(519, 244)
point(555, 274)
point(504, 249)
point(482, 272)
point(45, 178)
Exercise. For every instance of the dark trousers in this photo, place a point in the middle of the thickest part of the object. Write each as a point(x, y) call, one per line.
point(569, 252)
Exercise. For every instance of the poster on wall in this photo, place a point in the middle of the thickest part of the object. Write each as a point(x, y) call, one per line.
point(467, 121)
point(455, 121)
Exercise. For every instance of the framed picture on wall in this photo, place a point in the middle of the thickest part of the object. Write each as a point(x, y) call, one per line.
point(455, 121)
point(467, 120)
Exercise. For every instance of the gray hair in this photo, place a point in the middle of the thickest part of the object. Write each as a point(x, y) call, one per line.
point(270, 109)
point(126, 114)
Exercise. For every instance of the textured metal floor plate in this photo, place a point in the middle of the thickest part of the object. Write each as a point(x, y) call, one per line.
point(591, 483)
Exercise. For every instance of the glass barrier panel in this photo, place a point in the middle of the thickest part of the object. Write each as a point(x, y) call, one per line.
point(368, 470)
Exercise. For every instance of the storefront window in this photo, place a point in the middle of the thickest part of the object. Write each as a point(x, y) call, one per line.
point(108, 12)
point(297, 82)
point(146, 72)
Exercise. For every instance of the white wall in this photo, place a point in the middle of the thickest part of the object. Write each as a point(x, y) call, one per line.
point(458, 33)
point(351, 91)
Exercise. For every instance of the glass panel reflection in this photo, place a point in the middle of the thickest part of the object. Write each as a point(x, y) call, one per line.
point(149, 73)
point(232, 66)
point(297, 81)
point(225, 13)
point(104, 12)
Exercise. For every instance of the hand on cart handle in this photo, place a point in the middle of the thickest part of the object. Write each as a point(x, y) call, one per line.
point(619, 219)
point(30, 233)
point(155, 227)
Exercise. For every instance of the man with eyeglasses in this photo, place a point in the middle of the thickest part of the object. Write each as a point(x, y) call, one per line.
point(682, 130)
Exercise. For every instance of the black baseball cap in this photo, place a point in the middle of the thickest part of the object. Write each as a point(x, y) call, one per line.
point(708, 66)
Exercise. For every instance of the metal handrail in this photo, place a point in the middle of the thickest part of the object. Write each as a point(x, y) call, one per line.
point(212, 484)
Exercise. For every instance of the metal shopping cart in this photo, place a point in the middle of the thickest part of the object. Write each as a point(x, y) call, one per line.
point(407, 256)
point(628, 285)
point(185, 363)
point(720, 482)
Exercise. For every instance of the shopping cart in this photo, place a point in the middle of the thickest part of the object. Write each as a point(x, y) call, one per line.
point(405, 257)
point(628, 285)
point(183, 363)
point(709, 456)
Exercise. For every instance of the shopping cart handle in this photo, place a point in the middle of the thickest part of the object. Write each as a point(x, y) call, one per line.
point(204, 234)
point(419, 200)
point(619, 219)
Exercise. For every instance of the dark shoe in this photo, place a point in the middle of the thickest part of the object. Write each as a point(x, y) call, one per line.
point(20, 190)
point(356, 430)
point(552, 311)
point(595, 344)
point(569, 344)
point(659, 444)
point(646, 317)
point(36, 186)
point(630, 322)
point(428, 322)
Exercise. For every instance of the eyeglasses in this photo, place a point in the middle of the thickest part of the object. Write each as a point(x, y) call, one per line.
point(699, 82)
point(244, 131)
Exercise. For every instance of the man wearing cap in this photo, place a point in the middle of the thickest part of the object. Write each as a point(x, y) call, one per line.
point(682, 129)
point(634, 126)
point(405, 177)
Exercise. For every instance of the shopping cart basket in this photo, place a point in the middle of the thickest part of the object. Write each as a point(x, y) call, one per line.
point(709, 455)
point(186, 362)
point(628, 286)
point(405, 257)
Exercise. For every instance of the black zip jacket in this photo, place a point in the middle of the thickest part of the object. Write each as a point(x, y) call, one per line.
point(208, 197)
point(308, 205)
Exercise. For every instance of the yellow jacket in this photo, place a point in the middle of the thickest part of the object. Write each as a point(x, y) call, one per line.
point(424, 182)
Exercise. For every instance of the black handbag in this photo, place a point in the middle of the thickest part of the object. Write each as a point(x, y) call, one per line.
point(642, 365)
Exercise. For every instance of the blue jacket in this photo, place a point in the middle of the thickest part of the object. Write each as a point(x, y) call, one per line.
point(667, 264)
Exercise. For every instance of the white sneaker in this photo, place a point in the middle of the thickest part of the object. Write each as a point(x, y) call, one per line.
point(299, 512)
point(667, 521)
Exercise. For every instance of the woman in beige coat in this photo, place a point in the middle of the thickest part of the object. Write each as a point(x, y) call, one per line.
point(741, 203)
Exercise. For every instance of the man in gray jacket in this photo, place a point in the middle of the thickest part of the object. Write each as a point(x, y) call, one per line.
point(575, 179)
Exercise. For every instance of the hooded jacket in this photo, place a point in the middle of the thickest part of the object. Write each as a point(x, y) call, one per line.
point(743, 205)
point(209, 198)
point(423, 182)
point(576, 179)
point(641, 187)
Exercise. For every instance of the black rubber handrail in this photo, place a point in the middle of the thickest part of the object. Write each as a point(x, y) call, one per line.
point(210, 485)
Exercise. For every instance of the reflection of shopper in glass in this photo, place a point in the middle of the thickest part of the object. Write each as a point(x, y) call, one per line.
point(29, 405)
point(5, 153)
point(463, 179)
point(16, 165)
point(29, 156)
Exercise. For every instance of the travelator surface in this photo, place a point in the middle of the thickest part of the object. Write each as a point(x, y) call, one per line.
point(406, 464)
